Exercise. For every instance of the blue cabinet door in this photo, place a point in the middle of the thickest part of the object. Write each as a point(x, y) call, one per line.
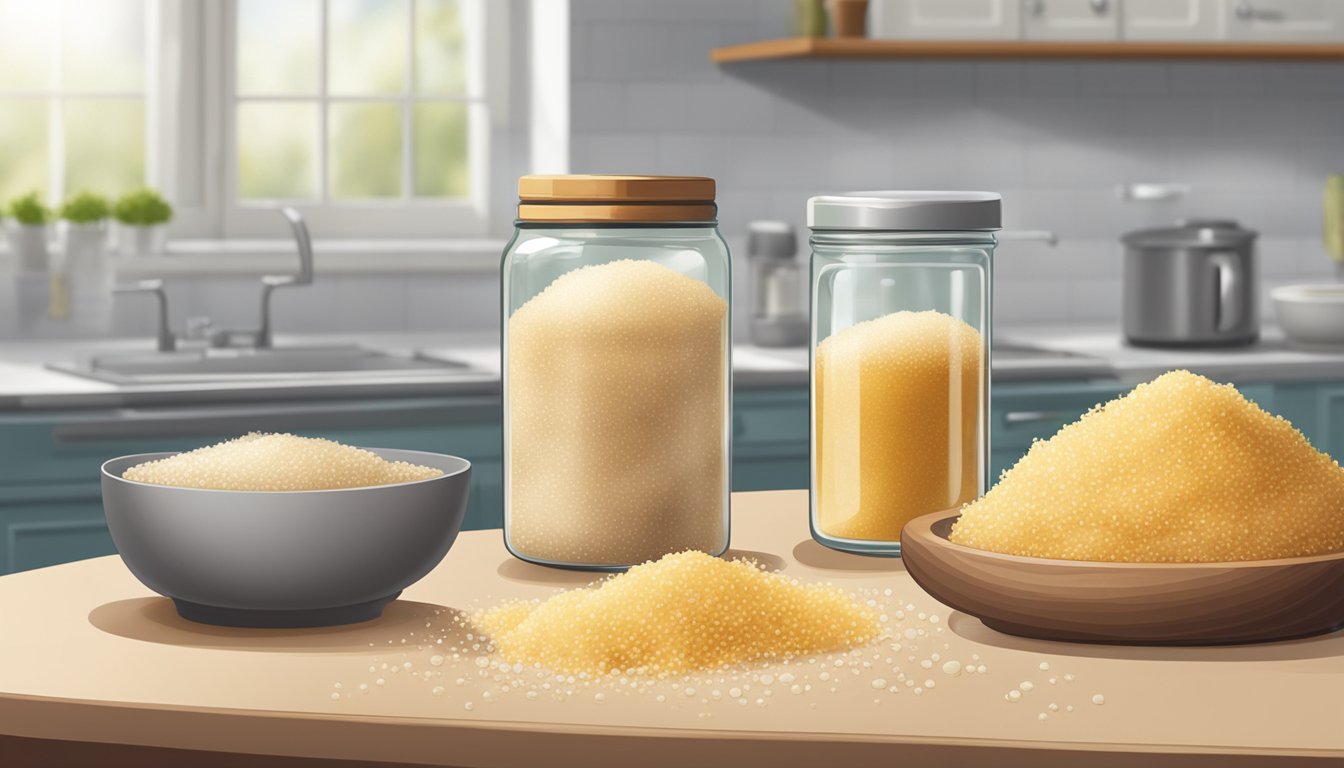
point(50, 502)
point(770, 439)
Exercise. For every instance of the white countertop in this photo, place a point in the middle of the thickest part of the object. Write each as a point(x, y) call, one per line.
point(1268, 360)
point(25, 382)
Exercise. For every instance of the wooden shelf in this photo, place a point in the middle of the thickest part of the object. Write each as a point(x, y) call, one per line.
point(864, 48)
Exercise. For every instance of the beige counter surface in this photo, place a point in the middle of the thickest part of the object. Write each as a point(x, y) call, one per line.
point(92, 660)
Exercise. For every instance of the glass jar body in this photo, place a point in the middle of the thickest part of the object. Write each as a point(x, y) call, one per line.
point(900, 358)
point(617, 393)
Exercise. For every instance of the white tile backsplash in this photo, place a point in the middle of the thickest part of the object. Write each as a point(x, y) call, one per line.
point(1253, 139)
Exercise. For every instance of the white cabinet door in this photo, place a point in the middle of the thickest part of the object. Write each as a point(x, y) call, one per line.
point(1171, 20)
point(1071, 19)
point(945, 19)
point(1288, 21)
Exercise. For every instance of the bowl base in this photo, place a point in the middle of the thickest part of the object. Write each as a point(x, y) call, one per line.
point(293, 619)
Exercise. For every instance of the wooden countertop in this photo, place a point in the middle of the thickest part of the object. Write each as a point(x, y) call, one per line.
point(97, 664)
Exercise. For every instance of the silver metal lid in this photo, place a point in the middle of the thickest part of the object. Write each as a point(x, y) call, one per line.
point(771, 239)
point(1193, 233)
point(901, 211)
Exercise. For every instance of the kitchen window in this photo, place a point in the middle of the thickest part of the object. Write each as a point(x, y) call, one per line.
point(72, 96)
point(370, 114)
point(373, 117)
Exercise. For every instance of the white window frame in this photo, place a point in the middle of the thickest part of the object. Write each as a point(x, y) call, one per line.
point(195, 160)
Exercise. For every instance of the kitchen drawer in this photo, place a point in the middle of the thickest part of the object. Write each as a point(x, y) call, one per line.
point(1021, 414)
point(1071, 20)
point(765, 419)
point(70, 445)
point(46, 525)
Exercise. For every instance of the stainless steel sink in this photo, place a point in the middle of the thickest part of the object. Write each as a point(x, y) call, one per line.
point(271, 364)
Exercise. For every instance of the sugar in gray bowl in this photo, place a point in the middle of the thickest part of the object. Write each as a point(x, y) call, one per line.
point(285, 558)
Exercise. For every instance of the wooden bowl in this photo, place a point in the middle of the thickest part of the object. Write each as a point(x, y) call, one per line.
point(1127, 603)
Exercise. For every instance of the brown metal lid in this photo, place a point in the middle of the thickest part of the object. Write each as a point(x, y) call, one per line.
point(590, 198)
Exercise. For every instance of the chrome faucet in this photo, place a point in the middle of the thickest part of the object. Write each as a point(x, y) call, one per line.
point(269, 283)
point(263, 336)
point(167, 341)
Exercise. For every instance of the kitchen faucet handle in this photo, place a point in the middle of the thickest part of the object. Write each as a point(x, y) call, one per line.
point(166, 341)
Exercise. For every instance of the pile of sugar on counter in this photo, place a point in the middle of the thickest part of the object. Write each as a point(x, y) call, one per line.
point(685, 655)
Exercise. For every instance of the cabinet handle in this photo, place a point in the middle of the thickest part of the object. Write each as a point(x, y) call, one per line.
point(133, 424)
point(1032, 417)
point(1247, 12)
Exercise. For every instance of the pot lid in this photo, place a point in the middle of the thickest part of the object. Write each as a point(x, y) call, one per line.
point(906, 211)
point(1192, 233)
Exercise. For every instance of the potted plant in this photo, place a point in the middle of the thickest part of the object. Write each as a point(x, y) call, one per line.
point(143, 216)
point(84, 224)
point(27, 231)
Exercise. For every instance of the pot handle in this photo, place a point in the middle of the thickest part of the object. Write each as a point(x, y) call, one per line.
point(1227, 310)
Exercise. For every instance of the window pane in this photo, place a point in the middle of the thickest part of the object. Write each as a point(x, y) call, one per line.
point(103, 46)
point(278, 47)
point(440, 61)
point(368, 46)
point(104, 145)
point(25, 45)
point(365, 150)
point(441, 150)
point(23, 147)
point(277, 150)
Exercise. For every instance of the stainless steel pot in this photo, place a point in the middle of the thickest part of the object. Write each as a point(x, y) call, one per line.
point(1194, 284)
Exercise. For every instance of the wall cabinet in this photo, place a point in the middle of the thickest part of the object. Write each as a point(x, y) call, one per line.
point(1071, 20)
point(1171, 20)
point(945, 19)
point(1316, 21)
point(1268, 21)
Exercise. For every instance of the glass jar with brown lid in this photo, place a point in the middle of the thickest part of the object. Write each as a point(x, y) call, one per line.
point(617, 371)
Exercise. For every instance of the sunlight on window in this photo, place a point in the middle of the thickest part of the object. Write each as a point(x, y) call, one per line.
point(278, 47)
point(25, 44)
point(104, 144)
point(440, 58)
point(72, 73)
point(441, 150)
point(277, 150)
point(368, 46)
point(104, 46)
point(368, 97)
point(23, 147)
point(365, 150)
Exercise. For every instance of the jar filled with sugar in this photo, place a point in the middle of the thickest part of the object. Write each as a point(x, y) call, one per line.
point(617, 371)
point(901, 292)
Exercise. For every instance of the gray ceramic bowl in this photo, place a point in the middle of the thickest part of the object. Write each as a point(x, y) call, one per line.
point(285, 558)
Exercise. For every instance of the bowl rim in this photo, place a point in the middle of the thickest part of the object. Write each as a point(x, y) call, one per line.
point(157, 455)
point(925, 524)
point(1309, 293)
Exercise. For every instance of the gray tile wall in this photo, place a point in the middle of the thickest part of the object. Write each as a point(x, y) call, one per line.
point(1254, 140)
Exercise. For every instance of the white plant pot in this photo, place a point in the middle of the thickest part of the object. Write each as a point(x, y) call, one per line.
point(134, 240)
point(84, 246)
point(28, 244)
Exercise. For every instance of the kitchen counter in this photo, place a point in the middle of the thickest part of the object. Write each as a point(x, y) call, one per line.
point(1268, 360)
point(26, 382)
point(98, 669)
point(1078, 353)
